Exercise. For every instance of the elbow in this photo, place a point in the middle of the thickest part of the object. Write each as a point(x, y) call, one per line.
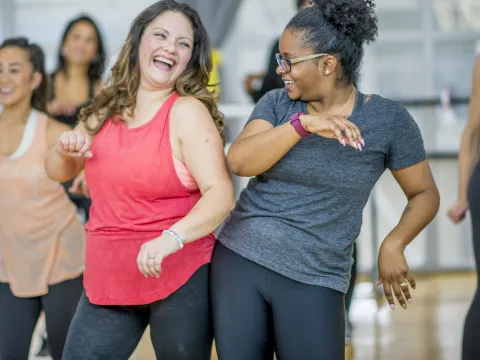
point(436, 201)
point(433, 200)
point(234, 162)
point(229, 200)
point(239, 166)
point(235, 167)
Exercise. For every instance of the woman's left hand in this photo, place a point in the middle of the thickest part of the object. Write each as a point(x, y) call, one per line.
point(152, 253)
point(395, 274)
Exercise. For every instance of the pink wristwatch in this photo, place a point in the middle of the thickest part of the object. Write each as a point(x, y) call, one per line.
point(297, 124)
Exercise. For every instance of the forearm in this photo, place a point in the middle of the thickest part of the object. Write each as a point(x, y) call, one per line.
point(468, 155)
point(421, 209)
point(207, 214)
point(62, 168)
point(467, 159)
point(257, 153)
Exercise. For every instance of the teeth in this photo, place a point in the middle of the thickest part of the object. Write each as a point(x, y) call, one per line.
point(288, 82)
point(165, 60)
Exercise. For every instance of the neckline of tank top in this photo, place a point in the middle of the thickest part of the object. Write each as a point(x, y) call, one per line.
point(27, 137)
point(152, 120)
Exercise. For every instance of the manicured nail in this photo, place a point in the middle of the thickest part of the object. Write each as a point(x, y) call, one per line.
point(404, 306)
point(359, 147)
point(363, 142)
point(392, 306)
point(410, 301)
point(343, 142)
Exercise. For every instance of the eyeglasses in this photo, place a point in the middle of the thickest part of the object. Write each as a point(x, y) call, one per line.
point(286, 64)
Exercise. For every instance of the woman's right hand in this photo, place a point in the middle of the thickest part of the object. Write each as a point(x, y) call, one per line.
point(458, 211)
point(74, 143)
point(331, 126)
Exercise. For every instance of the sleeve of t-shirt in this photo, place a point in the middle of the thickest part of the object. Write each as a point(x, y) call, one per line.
point(265, 109)
point(406, 144)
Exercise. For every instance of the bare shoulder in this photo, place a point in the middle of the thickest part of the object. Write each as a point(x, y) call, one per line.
point(190, 113)
point(188, 105)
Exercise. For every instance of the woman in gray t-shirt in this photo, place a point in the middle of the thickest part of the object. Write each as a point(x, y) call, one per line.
point(282, 264)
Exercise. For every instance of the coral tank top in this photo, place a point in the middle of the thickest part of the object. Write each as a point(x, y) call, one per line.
point(137, 193)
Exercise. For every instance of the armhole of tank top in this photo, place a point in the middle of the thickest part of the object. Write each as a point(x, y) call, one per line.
point(28, 136)
point(181, 170)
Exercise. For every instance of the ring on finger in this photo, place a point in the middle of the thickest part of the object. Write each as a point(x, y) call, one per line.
point(404, 284)
point(152, 257)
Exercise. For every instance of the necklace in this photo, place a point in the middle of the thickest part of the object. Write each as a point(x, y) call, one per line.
point(310, 107)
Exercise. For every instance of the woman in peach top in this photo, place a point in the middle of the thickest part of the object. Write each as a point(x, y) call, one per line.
point(41, 238)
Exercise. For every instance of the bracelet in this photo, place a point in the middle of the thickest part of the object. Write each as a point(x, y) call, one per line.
point(175, 236)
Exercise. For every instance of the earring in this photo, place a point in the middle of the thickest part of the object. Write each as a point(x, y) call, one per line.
point(326, 73)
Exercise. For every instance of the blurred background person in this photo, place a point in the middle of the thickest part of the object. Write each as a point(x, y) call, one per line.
point(76, 80)
point(469, 199)
point(41, 237)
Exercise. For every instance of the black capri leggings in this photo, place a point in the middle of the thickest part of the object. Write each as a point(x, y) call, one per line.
point(257, 312)
point(471, 331)
point(19, 316)
point(180, 326)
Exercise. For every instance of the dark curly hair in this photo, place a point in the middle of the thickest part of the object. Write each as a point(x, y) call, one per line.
point(37, 58)
point(339, 28)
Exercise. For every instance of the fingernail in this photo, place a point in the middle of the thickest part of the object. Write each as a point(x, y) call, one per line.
point(88, 154)
point(392, 306)
point(343, 142)
point(410, 301)
point(404, 306)
point(363, 142)
point(359, 147)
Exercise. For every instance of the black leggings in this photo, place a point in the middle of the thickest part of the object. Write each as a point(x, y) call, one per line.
point(19, 316)
point(180, 326)
point(257, 312)
point(471, 331)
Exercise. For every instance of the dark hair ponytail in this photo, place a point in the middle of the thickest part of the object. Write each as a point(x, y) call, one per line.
point(37, 58)
point(339, 28)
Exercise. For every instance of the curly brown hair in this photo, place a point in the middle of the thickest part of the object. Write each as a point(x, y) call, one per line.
point(120, 92)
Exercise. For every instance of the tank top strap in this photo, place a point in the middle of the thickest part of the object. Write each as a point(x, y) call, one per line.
point(167, 106)
point(163, 115)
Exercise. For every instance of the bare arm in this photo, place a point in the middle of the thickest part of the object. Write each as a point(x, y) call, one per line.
point(469, 148)
point(260, 146)
point(423, 202)
point(201, 149)
point(65, 159)
point(197, 143)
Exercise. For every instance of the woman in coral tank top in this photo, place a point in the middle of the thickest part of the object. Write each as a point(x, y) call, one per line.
point(159, 184)
point(42, 241)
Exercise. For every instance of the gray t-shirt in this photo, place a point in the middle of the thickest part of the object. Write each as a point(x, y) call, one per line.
point(301, 217)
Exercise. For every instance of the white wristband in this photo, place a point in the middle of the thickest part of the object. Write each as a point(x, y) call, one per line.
point(175, 236)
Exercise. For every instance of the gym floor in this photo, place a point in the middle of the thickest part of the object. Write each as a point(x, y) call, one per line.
point(430, 329)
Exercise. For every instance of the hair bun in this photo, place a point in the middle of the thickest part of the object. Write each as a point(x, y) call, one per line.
point(355, 19)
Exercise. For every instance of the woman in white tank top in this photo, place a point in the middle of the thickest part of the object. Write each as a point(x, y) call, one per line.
point(41, 238)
